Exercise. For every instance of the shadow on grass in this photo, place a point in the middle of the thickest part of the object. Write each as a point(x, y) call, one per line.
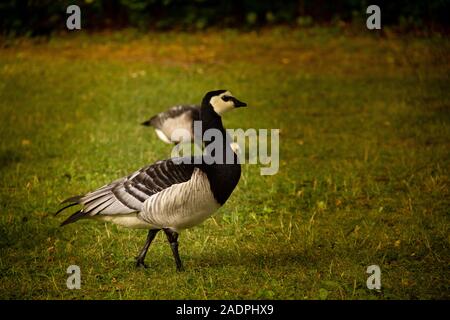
point(24, 233)
point(9, 157)
point(257, 259)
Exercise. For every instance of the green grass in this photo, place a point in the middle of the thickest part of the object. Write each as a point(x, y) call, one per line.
point(364, 172)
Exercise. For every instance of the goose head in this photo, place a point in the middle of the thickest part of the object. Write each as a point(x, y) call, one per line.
point(221, 101)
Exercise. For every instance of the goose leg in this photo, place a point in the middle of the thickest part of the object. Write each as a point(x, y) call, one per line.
point(172, 236)
point(141, 257)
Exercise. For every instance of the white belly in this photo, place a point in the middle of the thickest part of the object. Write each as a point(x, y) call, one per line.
point(182, 205)
point(180, 127)
point(130, 220)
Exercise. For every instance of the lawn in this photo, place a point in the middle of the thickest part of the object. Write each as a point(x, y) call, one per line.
point(363, 178)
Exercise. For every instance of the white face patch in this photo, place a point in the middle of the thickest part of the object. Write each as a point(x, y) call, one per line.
point(220, 106)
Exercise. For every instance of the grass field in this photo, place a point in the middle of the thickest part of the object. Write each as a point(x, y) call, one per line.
point(363, 179)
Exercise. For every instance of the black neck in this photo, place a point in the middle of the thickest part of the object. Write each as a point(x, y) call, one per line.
point(211, 120)
point(223, 177)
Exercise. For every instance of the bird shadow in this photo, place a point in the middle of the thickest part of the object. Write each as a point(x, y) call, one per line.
point(293, 257)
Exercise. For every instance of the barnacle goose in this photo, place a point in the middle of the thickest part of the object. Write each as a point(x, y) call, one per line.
point(178, 117)
point(181, 116)
point(169, 195)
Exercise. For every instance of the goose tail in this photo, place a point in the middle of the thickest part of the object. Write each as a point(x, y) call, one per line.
point(150, 122)
point(72, 201)
point(74, 217)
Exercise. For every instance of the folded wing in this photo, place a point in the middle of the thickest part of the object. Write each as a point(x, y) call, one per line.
point(128, 194)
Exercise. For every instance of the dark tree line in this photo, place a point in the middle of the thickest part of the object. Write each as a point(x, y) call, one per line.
point(34, 17)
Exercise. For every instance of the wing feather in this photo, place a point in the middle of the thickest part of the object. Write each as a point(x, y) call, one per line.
point(128, 194)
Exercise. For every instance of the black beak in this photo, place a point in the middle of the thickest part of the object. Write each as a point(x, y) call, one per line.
point(146, 123)
point(238, 104)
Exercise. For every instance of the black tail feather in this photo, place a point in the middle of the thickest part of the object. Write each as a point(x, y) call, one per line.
point(74, 217)
point(68, 206)
point(151, 122)
point(73, 199)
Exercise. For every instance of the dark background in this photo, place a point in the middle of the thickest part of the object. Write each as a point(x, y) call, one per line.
point(28, 17)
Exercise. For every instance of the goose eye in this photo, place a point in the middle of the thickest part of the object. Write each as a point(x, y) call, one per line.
point(226, 98)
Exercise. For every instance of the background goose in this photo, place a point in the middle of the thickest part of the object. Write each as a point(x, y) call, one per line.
point(169, 195)
point(178, 117)
point(182, 116)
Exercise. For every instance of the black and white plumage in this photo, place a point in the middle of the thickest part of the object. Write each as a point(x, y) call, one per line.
point(169, 195)
point(177, 117)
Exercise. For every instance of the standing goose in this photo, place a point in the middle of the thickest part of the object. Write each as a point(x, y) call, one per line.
point(177, 117)
point(173, 194)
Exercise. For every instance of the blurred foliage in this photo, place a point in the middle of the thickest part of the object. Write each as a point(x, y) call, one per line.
point(34, 17)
